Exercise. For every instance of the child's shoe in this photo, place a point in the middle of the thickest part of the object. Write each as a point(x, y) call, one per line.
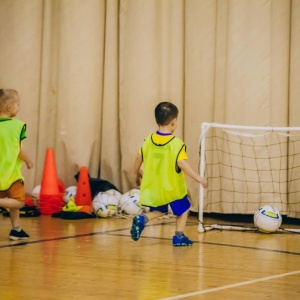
point(18, 235)
point(138, 225)
point(182, 241)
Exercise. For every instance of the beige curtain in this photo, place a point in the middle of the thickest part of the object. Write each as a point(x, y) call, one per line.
point(90, 73)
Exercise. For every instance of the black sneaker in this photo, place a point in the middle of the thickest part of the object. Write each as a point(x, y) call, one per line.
point(18, 235)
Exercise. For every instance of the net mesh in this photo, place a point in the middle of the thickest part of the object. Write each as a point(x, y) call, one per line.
point(249, 168)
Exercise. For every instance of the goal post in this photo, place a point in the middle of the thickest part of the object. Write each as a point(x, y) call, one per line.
point(248, 167)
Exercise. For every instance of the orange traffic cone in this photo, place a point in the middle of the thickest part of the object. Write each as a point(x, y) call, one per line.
point(50, 196)
point(49, 184)
point(83, 194)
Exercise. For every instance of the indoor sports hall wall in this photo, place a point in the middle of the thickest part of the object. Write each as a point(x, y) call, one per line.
point(90, 73)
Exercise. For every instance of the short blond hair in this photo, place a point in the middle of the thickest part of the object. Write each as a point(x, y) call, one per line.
point(6, 95)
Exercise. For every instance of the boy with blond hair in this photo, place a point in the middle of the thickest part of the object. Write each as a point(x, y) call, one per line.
point(12, 133)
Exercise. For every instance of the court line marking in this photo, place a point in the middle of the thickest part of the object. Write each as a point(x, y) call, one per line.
point(212, 243)
point(229, 286)
point(115, 232)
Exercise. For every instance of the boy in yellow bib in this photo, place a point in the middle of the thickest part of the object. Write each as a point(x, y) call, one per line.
point(163, 183)
point(12, 133)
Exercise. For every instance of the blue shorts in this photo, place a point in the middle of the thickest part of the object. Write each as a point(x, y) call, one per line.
point(178, 206)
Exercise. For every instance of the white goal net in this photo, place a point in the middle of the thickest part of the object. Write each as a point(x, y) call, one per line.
point(248, 167)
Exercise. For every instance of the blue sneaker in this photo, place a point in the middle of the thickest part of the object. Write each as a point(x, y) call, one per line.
point(183, 241)
point(138, 225)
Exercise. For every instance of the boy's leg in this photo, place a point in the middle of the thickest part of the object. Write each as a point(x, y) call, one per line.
point(181, 221)
point(138, 223)
point(14, 209)
point(179, 239)
point(16, 233)
point(181, 210)
point(11, 203)
point(14, 201)
point(14, 214)
point(154, 214)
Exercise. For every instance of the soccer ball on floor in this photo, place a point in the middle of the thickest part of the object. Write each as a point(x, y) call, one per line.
point(35, 195)
point(130, 202)
point(267, 219)
point(105, 204)
point(70, 192)
point(114, 193)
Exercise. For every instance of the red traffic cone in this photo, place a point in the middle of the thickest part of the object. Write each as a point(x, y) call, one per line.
point(83, 194)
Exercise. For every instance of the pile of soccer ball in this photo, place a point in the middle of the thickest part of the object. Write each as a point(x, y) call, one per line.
point(110, 203)
point(105, 204)
point(267, 219)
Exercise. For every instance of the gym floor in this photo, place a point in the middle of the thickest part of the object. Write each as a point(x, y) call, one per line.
point(97, 259)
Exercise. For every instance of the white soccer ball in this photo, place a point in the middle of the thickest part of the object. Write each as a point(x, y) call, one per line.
point(114, 193)
point(70, 192)
point(267, 219)
point(105, 204)
point(130, 202)
point(35, 195)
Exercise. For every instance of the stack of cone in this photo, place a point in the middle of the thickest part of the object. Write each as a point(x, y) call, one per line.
point(83, 194)
point(50, 194)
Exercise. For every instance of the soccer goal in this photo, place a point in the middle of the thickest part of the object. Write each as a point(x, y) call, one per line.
point(248, 167)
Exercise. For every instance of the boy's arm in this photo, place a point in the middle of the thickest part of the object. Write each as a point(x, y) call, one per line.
point(24, 157)
point(185, 167)
point(136, 169)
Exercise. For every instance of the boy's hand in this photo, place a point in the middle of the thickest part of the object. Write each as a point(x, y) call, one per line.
point(204, 182)
point(138, 179)
point(137, 170)
point(185, 167)
point(25, 158)
point(29, 164)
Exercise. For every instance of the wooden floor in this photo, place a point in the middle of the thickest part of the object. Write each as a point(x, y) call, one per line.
point(96, 259)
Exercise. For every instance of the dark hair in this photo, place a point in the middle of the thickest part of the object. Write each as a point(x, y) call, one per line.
point(165, 112)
